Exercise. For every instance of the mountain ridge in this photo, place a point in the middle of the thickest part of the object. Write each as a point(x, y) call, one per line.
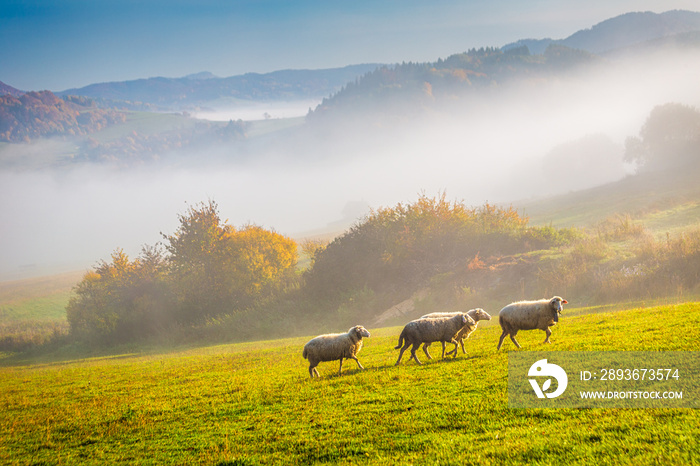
point(202, 88)
point(6, 89)
point(621, 31)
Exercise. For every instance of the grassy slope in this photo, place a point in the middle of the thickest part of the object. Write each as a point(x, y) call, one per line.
point(146, 123)
point(661, 203)
point(41, 298)
point(254, 404)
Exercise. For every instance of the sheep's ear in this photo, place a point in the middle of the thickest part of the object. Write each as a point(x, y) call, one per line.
point(564, 301)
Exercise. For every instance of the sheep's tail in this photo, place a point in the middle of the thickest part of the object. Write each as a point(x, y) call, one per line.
point(401, 337)
point(305, 353)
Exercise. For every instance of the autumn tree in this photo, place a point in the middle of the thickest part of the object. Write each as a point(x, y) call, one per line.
point(122, 299)
point(206, 268)
point(217, 269)
point(402, 247)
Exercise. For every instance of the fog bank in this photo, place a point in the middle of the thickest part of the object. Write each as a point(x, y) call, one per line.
point(518, 142)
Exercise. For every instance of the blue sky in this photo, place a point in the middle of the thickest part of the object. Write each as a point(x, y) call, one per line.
point(57, 45)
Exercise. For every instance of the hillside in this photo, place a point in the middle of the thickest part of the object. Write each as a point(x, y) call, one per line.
point(620, 32)
point(9, 90)
point(647, 197)
point(42, 114)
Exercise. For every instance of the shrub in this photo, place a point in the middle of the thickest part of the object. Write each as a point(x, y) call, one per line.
point(399, 249)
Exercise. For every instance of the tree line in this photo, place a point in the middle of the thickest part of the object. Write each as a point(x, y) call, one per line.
point(208, 269)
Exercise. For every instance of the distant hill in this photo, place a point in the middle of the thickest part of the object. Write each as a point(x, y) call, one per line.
point(9, 90)
point(407, 89)
point(201, 89)
point(35, 115)
point(620, 32)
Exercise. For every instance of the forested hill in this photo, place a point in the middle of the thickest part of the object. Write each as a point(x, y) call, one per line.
point(203, 88)
point(620, 32)
point(9, 90)
point(410, 88)
point(42, 114)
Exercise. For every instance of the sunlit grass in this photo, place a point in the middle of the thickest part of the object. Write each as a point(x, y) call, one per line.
point(253, 403)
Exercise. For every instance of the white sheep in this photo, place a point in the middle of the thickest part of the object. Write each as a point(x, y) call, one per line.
point(476, 315)
point(442, 329)
point(334, 346)
point(529, 315)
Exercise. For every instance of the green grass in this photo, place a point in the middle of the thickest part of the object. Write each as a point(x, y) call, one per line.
point(660, 202)
point(37, 299)
point(253, 403)
point(673, 220)
point(145, 123)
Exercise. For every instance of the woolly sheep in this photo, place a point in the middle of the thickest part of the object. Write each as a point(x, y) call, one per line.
point(442, 329)
point(476, 315)
point(334, 346)
point(529, 315)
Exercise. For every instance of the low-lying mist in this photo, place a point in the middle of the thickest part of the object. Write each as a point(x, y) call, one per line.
point(257, 110)
point(517, 142)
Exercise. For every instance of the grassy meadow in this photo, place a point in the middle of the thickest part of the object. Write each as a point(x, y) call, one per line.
point(33, 310)
point(253, 403)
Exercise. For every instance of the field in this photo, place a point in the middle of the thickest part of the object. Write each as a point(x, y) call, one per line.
point(253, 403)
point(660, 203)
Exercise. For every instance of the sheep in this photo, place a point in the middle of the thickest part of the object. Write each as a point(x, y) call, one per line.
point(442, 329)
point(334, 346)
point(476, 314)
point(529, 315)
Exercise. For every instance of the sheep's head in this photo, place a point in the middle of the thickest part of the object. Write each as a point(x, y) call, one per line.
point(556, 303)
point(360, 331)
point(479, 314)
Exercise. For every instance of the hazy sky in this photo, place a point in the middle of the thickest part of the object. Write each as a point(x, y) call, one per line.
point(60, 44)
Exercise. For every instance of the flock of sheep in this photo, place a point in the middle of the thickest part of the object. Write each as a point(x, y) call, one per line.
point(448, 327)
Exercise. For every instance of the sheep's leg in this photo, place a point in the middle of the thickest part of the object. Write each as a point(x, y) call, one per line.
point(512, 337)
point(312, 369)
point(443, 349)
point(454, 350)
point(358, 362)
point(405, 347)
point(413, 352)
point(461, 342)
point(500, 342)
point(341, 366)
point(548, 332)
point(425, 350)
